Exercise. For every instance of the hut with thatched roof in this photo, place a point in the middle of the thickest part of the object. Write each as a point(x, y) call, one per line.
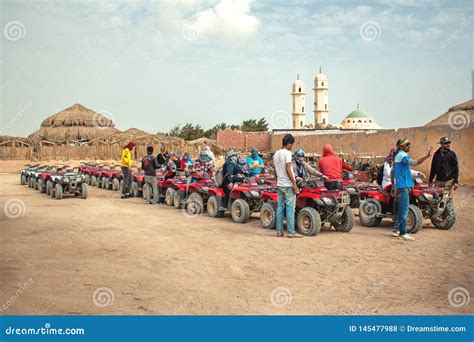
point(74, 125)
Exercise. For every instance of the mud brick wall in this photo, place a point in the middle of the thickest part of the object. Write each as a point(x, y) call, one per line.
point(244, 140)
point(380, 142)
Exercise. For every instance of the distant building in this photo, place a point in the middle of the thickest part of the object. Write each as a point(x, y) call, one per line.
point(298, 111)
point(359, 119)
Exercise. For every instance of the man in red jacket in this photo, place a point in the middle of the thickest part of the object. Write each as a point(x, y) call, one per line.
point(331, 166)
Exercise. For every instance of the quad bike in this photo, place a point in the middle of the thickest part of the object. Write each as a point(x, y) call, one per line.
point(166, 185)
point(70, 182)
point(193, 192)
point(353, 185)
point(315, 205)
point(101, 175)
point(111, 179)
point(45, 177)
point(25, 173)
point(425, 202)
point(34, 176)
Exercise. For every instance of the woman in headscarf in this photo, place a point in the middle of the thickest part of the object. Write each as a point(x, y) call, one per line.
point(125, 165)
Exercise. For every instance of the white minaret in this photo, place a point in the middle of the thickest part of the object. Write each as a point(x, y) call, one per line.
point(297, 94)
point(321, 105)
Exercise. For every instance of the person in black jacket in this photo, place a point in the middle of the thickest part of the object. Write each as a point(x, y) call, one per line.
point(444, 166)
point(149, 165)
point(230, 171)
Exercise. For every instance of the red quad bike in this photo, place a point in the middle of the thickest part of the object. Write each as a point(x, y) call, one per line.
point(315, 205)
point(167, 186)
point(33, 176)
point(89, 170)
point(138, 181)
point(100, 175)
point(111, 179)
point(194, 197)
point(45, 179)
point(95, 173)
point(353, 185)
point(425, 202)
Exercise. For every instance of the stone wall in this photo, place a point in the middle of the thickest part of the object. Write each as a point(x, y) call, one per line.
point(244, 140)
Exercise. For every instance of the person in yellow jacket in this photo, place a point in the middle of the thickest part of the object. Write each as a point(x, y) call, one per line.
point(126, 164)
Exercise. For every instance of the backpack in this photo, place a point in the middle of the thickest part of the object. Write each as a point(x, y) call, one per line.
point(380, 175)
point(220, 176)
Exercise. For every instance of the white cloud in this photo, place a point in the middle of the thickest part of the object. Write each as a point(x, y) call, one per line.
point(229, 19)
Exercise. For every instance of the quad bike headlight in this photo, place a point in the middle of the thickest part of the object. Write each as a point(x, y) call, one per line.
point(327, 201)
point(205, 189)
point(428, 197)
point(254, 193)
point(351, 190)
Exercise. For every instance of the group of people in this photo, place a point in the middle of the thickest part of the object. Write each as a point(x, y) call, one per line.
point(290, 169)
point(396, 171)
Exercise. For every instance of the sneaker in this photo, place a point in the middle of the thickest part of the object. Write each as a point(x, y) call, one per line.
point(294, 235)
point(158, 203)
point(395, 233)
point(149, 202)
point(407, 237)
point(280, 233)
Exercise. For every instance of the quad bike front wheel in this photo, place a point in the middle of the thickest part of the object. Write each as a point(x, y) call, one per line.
point(240, 211)
point(194, 205)
point(308, 222)
point(23, 179)
point(414, 219)
point(49, 187)
point(94, 180)
point(268, 216)
point(213, 207)
point(169, 196)
point(88, 179)
point(42, 186)
point(134, 189)
point(345, 222)
point(58, 191)
point(369, 210)
point(447, 219)
point(99, 182)
point(178, 199)
point(84, 190)
point(115, 184)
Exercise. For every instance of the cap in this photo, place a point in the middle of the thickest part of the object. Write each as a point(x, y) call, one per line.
point(444, 140)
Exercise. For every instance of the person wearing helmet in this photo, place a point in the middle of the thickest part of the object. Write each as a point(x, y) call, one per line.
point(302, 169)
point(231, 170)
point(255, 163)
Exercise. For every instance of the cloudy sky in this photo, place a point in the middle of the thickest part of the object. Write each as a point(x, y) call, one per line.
point(156, 64)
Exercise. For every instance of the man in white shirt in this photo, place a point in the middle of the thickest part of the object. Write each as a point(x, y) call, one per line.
point(287, 188)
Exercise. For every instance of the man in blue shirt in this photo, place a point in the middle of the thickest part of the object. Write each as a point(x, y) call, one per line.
point(403, 183)
point(255, 163)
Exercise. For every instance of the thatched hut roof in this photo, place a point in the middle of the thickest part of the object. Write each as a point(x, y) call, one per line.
point(459, 116)
point(7, 140)
point(76, 123)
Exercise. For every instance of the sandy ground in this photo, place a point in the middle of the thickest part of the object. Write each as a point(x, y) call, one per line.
point(105, 255)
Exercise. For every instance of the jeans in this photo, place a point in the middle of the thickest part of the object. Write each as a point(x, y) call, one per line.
point(151, 180)
point(286, 200)
point(127, 180)
point(403, 197)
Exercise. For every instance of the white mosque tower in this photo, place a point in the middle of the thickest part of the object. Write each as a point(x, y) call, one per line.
point(321, 105)
point(298, 94)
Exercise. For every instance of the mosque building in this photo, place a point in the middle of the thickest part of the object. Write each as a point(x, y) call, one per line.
point(358, 119)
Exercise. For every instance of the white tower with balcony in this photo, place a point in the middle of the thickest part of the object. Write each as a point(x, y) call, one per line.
point(298, 110)
point(321, 104)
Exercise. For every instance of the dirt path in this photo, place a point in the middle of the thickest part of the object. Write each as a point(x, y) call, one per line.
point(74, 256)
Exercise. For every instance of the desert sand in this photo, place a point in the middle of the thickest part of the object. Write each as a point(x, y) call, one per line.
point(108, 256)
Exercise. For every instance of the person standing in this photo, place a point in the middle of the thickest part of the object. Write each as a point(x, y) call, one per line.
point(210, 153)
point(403, 183)
point(287, 187)
point(150, 165)
point(125, 165)
point(445, 166)
point(255, 163)
point(331, 166)
point(230, 170)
